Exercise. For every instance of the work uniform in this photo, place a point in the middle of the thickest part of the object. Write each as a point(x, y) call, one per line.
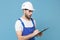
point(27, 27)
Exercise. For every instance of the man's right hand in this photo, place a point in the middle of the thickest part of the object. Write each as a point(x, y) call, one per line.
point(36, 32)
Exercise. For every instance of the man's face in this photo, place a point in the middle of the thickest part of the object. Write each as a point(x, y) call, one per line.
point(28, 13)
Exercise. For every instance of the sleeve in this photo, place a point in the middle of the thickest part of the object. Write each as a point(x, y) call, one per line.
point(18, 26)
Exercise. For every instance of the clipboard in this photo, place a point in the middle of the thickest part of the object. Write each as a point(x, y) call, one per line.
point(44, 29)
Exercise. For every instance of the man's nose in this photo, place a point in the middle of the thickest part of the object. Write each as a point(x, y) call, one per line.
point(30, 13)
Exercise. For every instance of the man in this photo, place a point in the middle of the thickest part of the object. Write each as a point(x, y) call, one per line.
point(25, 25)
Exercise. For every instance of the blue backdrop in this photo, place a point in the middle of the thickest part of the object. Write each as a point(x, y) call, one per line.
point(46, 14)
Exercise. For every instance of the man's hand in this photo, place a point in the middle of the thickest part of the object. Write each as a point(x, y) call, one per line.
point(36, 32)
point(39, 34)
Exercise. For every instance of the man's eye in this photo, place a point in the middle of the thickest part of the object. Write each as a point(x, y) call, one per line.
point(30, 11)
point(25, 9)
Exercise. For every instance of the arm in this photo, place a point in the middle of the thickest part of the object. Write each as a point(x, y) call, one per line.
point(18, 28)
point(20, 37)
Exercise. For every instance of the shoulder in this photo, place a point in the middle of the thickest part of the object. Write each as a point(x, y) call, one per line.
point(18, 25)
point(18, 21)
point(33, 19)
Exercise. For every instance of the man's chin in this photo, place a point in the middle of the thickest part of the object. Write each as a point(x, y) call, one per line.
point(29, 17)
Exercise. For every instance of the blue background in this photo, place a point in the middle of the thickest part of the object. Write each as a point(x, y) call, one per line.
point(46, 14)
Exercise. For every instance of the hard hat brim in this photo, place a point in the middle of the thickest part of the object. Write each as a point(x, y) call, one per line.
point(29, 9)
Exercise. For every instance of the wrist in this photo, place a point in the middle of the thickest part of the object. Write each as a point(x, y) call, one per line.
point(34, 34)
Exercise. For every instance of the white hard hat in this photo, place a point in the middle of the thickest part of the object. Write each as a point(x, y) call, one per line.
point(27, 5)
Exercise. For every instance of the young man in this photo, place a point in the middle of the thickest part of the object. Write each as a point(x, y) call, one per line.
point(25, 25)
